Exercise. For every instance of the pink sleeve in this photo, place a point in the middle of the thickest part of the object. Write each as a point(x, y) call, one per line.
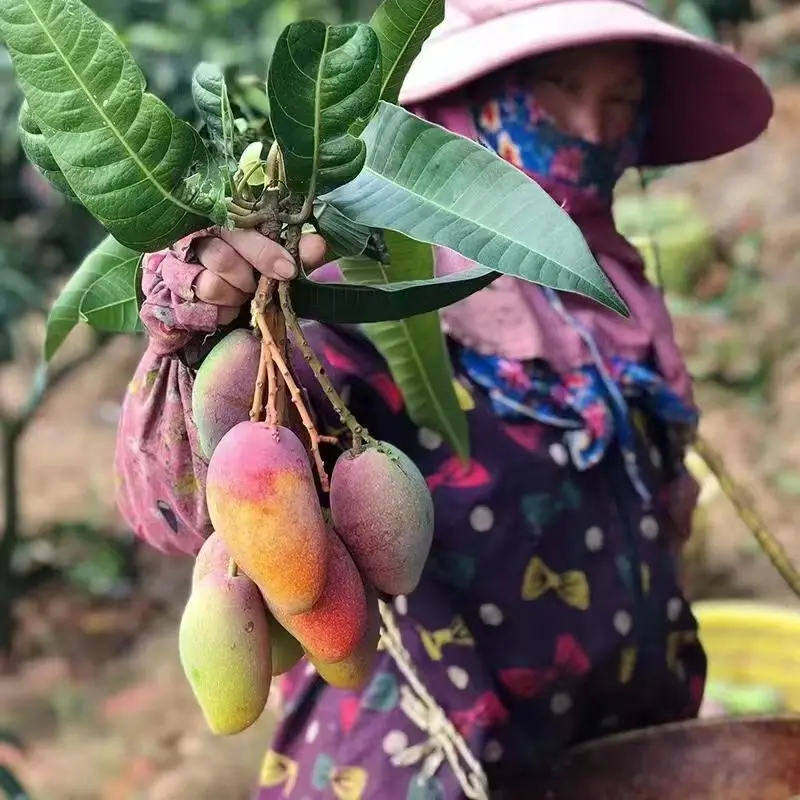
point(170, 312)
point(160, 476)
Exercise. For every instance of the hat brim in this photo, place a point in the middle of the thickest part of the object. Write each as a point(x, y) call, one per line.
point(707, 101)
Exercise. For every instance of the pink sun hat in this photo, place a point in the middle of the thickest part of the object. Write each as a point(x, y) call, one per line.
point(708, 101)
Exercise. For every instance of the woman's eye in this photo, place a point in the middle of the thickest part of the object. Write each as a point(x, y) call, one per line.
point(564, 83)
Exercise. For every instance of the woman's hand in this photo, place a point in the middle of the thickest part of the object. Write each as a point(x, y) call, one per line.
point(230, 258)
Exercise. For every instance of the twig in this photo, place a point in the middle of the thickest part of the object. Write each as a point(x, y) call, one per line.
point(359, 432)
point(273, 316)
point(302, 216)
point(297, 399)
point(273, 415)
point(261, 379)
point(247, 221)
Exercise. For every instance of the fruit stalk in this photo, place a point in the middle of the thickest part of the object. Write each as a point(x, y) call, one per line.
point(263, 377)
point(358, 431)
point(273, 317)
point(297, 399)
point(273, 416)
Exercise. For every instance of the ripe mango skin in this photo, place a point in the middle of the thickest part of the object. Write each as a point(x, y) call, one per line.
point(213, 556)
point(223, 387)
point(333, 628)
point(382, 509)
point(354, 672)
point(263, 503)
point(225, 651)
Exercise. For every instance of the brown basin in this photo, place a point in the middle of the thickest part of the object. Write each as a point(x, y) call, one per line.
point(756, 758)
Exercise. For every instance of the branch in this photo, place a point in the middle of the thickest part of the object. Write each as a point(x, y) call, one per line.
point(359, 432)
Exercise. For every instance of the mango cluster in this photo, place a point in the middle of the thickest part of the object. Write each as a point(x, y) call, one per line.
point(281, 578)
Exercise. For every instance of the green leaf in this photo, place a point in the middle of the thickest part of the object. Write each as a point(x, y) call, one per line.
point(692, 18)
point(402, 27)
point(38, 152)
point(324, 82)
point(210, 95)
point(438, 187)
point(415, 348)
point(107, 300)
point(110, 303)
point(357, 302)
point(142, 172)
point(345, 238)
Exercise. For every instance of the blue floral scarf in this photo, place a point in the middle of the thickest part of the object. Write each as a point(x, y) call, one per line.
point(590, 403)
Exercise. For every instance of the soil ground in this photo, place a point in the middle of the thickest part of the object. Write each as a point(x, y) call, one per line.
point(96, 690)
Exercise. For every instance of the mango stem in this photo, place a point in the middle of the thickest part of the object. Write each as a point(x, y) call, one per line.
point(273, 417)
point(261, 379)
point(297, 399)
point(358, 431)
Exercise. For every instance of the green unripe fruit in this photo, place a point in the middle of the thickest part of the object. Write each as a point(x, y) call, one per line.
point(225, 651)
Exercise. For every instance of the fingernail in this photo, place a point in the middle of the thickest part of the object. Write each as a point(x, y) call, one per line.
point(285, 269)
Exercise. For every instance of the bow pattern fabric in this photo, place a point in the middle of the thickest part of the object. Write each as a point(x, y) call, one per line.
point(572, 587)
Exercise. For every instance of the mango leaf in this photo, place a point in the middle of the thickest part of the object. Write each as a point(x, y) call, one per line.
point(415, 348)
point(345, 238)
point(109, 303)
point(402, 27)
point(353, 303)
point(324, 81)
point(210, 95)
point(38, 152)
point(438, 187)
point(693, 18)
point(142, 172)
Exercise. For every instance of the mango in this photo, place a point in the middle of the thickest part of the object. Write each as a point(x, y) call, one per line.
point(263, 503)
point(225, 652)
point(354, 672)
point(382, 509)
point(213, 556)
point(286, 650)
point(223, 387)
point(334, 627)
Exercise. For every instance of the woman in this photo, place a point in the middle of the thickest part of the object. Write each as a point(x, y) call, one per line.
point(550, 610)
